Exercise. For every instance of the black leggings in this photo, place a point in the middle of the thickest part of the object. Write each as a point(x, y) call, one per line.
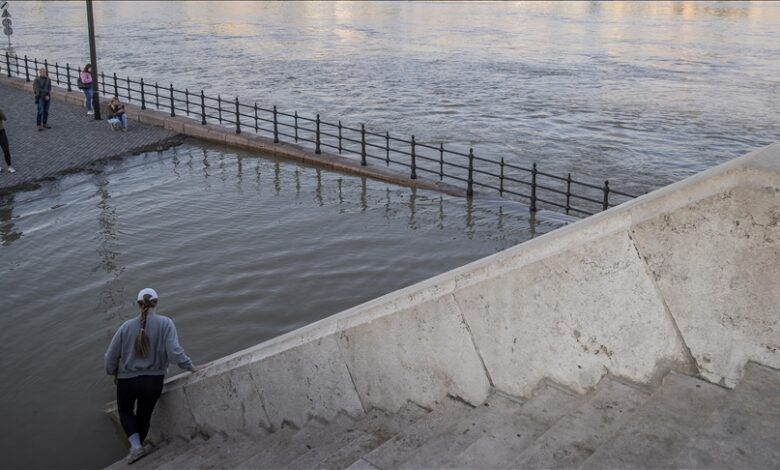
point(145, 389)
point(4, 145)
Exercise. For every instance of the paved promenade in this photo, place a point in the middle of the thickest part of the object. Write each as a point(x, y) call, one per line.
point(73, 142)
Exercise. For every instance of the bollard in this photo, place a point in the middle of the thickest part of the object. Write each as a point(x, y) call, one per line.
point(238, 117)
point(363, 145)
point(173, 106)
point(532, 208)
point(317, 139)
point(202, 108)
point(605, 205)
point(143, 95)
point(276, 127)
point(414, 159)
point(470, 181)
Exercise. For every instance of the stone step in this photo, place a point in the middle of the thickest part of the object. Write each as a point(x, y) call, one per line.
point(744, 434)
point(573, 439)
point(441, 450)
point(282, 451)
point(240, 447)
point(662, 427)
point(509, 437)
point(197, 454)
point(370, 432)
point(396, 450)
point(183, 454)
point(165, 452)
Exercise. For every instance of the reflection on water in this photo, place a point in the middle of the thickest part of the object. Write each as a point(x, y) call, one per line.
point(640, 93)
point(7, 233)
point(241, 249)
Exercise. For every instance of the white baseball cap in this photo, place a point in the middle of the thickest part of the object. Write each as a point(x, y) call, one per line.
point(146, 291)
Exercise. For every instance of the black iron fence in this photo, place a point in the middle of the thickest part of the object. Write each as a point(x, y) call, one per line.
point(450, 163)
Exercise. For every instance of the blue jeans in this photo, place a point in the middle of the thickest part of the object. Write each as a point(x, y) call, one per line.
point(114, 121)
point(88, 97)
point(43, 111)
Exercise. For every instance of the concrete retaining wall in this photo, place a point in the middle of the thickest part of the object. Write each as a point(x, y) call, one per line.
point(685, 277)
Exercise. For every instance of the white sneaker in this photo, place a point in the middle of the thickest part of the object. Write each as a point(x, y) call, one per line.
point(90, 113)
point(11, 169)
point(135, 454)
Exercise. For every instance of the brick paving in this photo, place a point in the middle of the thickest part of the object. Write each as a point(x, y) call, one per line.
point(74, 142)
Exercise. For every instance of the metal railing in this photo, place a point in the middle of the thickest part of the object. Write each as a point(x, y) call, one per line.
point(458, 166)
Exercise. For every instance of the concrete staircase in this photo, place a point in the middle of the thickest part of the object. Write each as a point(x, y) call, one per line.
point(683, 423)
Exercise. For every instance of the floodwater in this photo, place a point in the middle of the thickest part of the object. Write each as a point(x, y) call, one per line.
point(640, 93)
point(241, 249)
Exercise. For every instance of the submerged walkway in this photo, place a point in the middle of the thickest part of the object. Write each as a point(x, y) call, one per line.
point(73, 142)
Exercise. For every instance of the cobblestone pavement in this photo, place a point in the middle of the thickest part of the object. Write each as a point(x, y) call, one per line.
point(74, 141)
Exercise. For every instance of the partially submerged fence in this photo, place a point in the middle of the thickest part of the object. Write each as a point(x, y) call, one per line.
point(454, 165)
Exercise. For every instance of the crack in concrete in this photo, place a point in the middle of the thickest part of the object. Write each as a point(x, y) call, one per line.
point(473, 341)
point(691, 361)
point(349, 372)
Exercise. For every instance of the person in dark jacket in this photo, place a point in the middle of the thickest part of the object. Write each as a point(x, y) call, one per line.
point(116, 114)
point(4, 144)
point(138, 358)
point(42, 91)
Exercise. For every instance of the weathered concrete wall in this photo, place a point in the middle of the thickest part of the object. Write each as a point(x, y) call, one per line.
point(685, 277)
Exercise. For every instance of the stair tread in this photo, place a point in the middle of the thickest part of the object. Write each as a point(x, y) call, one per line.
point(441, 449)
point(164, 453)
point(393, 452)
point(511, 436)
point(570, 441)
point(241, 447)
point(368, 433)
point(662, 427)
point(743, 434)
point(184, 454)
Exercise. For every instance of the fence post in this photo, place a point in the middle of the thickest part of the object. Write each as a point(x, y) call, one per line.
point(340, 137)
point(67, 75)
point(470, 182)
point(156, 95)
point(568, 193)
point(173, 106)
point(606, 195)
point(257, 126)
point(129, 96)
point(202, 108)
point(103, 81)
point(501, 179)
point(363, 145)
point(414, 159)
point(532, 208)
point(143, 95)
point(45, 65)
point(276, 127)
point(441, 161)
point(219, 108)
point(57, 71)
point(8, 63)
point(387, 148)
point(238, 117)
point(116, 88)
point(296, 126)
point(36, 65)
point(187, 100)
point(26, 68)
point(317, 139)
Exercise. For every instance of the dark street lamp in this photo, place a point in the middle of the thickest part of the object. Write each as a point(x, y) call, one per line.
point(93, 61)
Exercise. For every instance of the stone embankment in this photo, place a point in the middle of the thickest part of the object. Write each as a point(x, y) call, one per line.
point(75, 126)
point(683, 279)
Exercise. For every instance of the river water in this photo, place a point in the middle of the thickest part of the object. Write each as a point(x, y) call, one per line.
point(243, 249)
point(641, 93)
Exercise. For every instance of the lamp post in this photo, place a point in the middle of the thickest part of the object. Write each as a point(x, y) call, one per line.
point(93, 61)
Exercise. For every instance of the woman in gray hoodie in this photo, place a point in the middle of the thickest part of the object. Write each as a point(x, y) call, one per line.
point(138, 358)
